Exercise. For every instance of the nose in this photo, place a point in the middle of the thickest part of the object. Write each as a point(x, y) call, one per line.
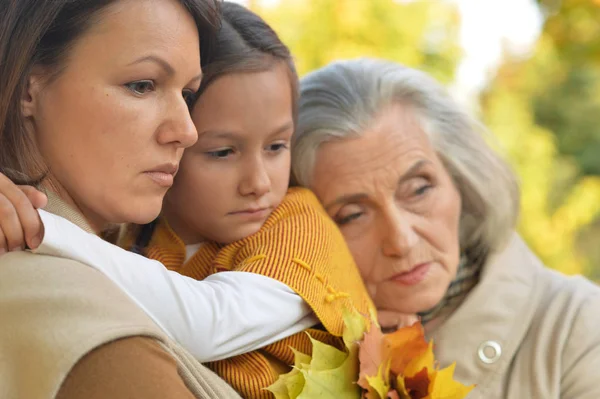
point(255, 181)
point(178, 127)
point(398, 231)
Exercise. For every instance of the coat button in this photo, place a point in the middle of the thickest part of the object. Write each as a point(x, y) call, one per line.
point(489, 352)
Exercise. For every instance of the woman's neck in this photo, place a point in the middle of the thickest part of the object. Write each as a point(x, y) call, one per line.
point(95, 221)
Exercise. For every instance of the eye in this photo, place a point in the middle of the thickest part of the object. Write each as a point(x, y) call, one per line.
point(416, 187)
point(349, 218)
point(220, 154)
point(348, 213)
point(277, 147)
point(190, 98)
point(141, 87)
point(423, 189)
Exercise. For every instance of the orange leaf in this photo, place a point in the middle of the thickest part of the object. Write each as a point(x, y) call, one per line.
point(370, 355)
point(425, 360)
point(404, 345)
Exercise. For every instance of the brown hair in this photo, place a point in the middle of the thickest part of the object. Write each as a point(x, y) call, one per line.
point(246, 43)
point(40, 33)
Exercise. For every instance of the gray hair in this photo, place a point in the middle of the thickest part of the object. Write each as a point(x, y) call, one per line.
point(341, 100)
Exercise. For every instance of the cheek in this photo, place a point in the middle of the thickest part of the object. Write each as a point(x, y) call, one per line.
point(99, 132)
point(279, 173)
point(443, 229)
point(361, 249)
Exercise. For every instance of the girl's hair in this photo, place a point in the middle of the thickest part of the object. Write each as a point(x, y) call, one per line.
point(246, 43)
point(41, 33)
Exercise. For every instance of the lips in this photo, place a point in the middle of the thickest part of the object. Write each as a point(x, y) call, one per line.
point(251, 210)
point(413, 276)
point(167, 168)
point(163, 175)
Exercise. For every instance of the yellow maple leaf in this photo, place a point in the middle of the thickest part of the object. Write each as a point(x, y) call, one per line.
point(355, 327)
point(332, 383)
point(380, 383)
point(328, 374)
point(443, 385)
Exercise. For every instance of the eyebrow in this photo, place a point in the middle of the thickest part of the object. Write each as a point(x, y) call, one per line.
point(411, 172)
point(219, 134)
point(164, 65)
point(283, 128)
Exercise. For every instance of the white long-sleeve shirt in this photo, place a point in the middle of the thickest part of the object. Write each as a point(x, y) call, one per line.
point(224, 315)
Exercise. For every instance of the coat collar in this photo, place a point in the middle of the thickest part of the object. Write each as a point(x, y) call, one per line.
point(495, 316)
point(60, 208)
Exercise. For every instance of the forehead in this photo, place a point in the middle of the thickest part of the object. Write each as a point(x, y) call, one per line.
point(386, 149)
point(249, 98)
point(134, 26)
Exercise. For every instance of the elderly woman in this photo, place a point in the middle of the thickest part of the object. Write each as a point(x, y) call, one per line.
point(428, 211)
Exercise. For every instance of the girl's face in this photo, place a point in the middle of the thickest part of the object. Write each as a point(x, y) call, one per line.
point(113, 125)
point(238, 172)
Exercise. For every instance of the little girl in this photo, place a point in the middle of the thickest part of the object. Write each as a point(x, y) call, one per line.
point(230, 210)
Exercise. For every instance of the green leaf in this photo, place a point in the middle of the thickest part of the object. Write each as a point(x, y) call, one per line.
point(333, 383)
point(355, 327)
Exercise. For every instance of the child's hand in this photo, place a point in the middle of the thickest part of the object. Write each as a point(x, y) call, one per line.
point(20, 224)
point(392, 321)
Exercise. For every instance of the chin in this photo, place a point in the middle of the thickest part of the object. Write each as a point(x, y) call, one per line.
point(411, 301)
point(237, 234)
point(142, 212)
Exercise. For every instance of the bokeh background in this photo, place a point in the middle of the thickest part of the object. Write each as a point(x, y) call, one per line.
point(529, 69)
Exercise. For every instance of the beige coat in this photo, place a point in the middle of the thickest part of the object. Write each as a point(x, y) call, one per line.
point(53, 311)
point(525, 332)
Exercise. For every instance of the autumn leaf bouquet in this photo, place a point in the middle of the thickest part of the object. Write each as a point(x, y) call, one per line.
point(374, 365)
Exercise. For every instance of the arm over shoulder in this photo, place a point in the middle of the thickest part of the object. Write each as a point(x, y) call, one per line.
point(303, 248)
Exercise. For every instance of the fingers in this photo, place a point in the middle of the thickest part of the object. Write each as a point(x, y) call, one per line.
point(38, 199)
point(31, 224)
point(10, 225)
point(391, 321)
point(20, 223)
point(3, 244)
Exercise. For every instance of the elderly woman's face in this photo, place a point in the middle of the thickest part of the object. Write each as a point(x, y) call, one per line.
point(397, 207)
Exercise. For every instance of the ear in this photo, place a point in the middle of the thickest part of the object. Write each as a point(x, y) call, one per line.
point(31, 95)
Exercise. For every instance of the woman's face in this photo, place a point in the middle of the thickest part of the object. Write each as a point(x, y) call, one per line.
point(397, 208)
point(113, 125)
point(238, 172)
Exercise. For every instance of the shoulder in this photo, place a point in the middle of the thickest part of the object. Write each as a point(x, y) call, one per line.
point(75, 288)
point(566, 321)
point(300, 220)
point(299, 207)
point(56, 310)
point(299, 200)
point(572, 305)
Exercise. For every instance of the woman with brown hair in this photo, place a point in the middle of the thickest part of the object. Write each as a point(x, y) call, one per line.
point(94, 106)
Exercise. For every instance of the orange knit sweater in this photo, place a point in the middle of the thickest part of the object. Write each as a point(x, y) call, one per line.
point(298, 245)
